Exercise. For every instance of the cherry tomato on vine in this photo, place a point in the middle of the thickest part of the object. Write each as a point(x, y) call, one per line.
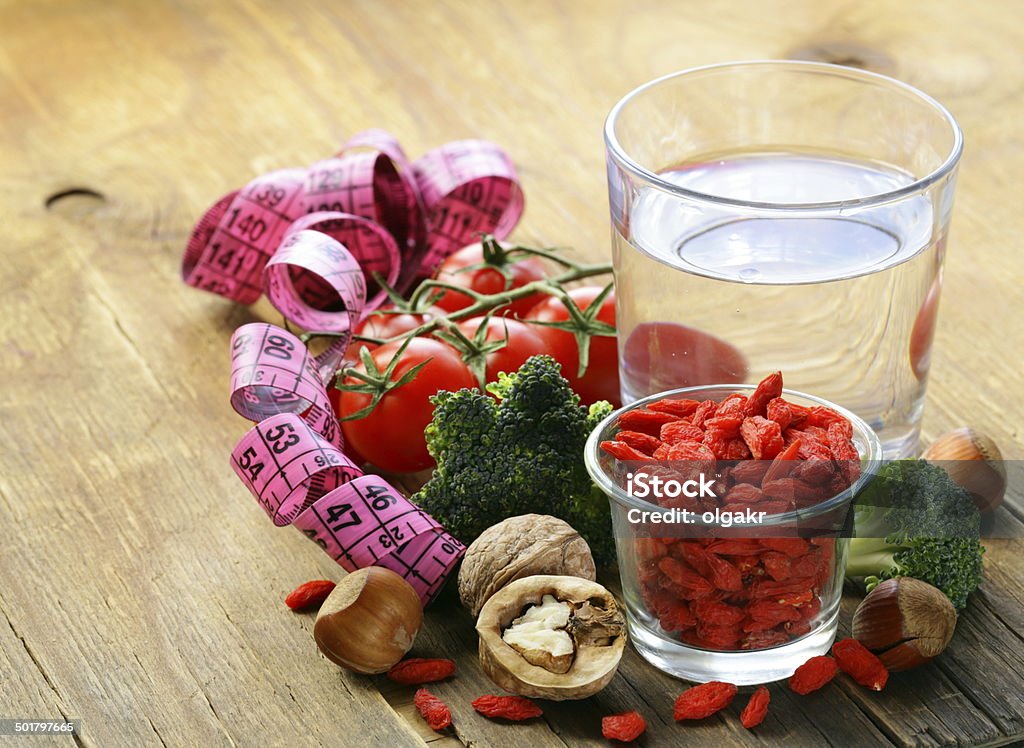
point(487, 280)
point(523, 341)
point(389, 325)
point(391, 436)
point(601, 379)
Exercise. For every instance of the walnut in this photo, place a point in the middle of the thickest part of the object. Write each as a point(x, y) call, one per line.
point(551, 637)
point(520, 547)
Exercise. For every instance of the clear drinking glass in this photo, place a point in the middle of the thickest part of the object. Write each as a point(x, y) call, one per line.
point(782, 216)
point(759, 654)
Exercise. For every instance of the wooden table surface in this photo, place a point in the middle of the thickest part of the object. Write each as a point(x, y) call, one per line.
point(140, 585)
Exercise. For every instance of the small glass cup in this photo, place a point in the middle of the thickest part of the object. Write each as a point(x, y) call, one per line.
point(782, 215)
point(824, 527)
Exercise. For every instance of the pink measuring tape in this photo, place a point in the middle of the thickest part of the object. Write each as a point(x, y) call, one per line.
point(313, 240)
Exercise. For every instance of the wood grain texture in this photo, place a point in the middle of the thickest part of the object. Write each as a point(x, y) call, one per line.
point(140, 586)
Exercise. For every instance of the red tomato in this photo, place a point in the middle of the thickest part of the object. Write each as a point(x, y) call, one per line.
point(924, 330)
point(523, 341)
point(662, 356)
point(601, 380)
point(389, 325)
point(487, 280)
point(391, 436)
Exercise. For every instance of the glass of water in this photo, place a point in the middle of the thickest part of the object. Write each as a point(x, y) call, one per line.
point(782, 216)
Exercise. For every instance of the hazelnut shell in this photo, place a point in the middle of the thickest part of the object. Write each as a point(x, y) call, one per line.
point(517, 547)
point(595, 662)
point(369, 621)
point(905, 621)
point(974, 462)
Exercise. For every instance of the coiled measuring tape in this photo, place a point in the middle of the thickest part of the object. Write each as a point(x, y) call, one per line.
point(312, 240)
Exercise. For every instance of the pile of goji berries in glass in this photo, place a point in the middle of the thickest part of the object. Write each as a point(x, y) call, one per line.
point(767, 455)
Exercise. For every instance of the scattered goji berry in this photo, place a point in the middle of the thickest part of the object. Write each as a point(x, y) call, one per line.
point(416, 670)
point(515, 708)
point(625, 727)
point(309, 594)
point(756, 709)
point(813, 674)
point(704, 700)
point(860, 663)
point(434, 711)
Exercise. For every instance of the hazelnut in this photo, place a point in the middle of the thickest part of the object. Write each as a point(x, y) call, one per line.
point(521, 547)
point(551, 637)
point(905, 621)
point(974, 462)
point(369, 621)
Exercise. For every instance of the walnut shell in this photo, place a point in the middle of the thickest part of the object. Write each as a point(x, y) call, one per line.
point(521, 547)
point(597, 628)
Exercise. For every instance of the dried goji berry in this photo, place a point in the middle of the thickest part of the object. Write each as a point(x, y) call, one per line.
point(692, 585)
point(797, 628)
point(649, 549)
point(860, 663)
point(625, 727)
point(779, 566)
point(677, 408)
point(821, 416)
point(645, 421)
point(749, 471)
point(792, 547)
point(756, 709)
point(704, 700)
point(780, 411)
point(718, 637)
point(639, 441)
point(677, 617)
point(769, 614)
point(434, 711)
point(622, 451)
point(417, 670)
point(767, 389)
point(764, 437)
point(515, 708)
point(736, 449)
point(734, 547)
point(681, 431)
point(309, 594)
point(744, 492)
point(728, 425)
point(784, 463)
point(815, 472)
point(695, 556)
point(733, 405)
point(717, 613)
point(763, 639)
point(704, 411)
point(813, 674)
point(724, 575)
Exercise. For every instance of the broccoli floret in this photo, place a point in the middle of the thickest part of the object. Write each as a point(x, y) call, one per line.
point(913, 521)
point(518, 454)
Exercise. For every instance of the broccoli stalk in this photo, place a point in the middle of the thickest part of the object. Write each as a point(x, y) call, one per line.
point(913, 521)
point(517, 454)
